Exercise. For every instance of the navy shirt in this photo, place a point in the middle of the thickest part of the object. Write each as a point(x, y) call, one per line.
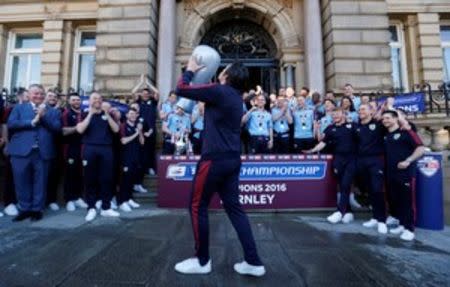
point(399, 145)
point(129, 151)
point(98, 132)
point(370, 138)
point(341, 139)
point(71, 118)
point(148, 111)
point(223, 114)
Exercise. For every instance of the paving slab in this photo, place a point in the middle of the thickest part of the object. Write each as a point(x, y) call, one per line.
point(142, 247)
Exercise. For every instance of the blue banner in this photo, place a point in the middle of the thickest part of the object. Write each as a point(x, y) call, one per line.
point(260, 171)
point(410, 102)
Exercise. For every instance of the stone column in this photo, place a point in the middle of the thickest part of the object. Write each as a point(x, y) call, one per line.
point(429, 39)
point(290, 81)
point(3, 48)
point(69, 35)
point(315, 75)
point(52, 53)
point(282, 78)
point(166, 47)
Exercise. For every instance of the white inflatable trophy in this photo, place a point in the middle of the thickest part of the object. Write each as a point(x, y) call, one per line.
point(210, 59)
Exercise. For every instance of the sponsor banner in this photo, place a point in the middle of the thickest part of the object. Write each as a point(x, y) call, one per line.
point(266, 182)
point(410, 102)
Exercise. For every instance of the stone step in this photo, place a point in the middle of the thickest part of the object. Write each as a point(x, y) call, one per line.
point(149, 197)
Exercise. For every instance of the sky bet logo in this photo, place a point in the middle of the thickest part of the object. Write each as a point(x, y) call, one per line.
point(259, 171)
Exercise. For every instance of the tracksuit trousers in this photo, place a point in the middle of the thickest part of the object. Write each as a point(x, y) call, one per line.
point(219, 175)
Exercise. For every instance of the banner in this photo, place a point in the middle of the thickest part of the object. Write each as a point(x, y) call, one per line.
point(270, 182)
point(410, 102)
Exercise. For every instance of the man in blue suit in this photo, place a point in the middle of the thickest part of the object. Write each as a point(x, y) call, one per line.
point(31, 148)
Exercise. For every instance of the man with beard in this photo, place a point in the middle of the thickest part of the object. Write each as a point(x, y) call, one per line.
point(73, 181)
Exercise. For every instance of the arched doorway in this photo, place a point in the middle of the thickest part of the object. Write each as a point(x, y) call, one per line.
point(251, 44)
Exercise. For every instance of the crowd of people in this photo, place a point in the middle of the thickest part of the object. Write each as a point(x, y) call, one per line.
point(105, 153)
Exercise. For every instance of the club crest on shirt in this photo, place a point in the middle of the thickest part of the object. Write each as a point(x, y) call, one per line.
point(85, 162)
point(349, 126)
point(396, 136)
point(372, 127)
point(125, 168)
point(104, 117)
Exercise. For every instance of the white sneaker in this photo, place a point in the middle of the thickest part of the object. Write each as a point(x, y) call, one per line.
point(397, 230)
point(392, 221)
point(139, 188)
point(70, 206)
point(371, 223)
point(81, 203)
point(98, 204)
point(113, 203)
point(92, 213)
point(244, 268)
point(151, 171)
point(382, 228)
point(348, 217)
point(125, 207)
point(407, 235)
point(133, 204)
point(192, 266)
point(109, 213)
point(53, 206)
point(353, 202)
point(335, 217)
point(1, 214)
point(11, 210)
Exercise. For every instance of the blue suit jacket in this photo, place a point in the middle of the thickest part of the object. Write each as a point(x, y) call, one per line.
point(23, 139)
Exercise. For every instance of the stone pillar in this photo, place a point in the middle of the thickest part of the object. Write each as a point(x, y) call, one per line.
point(290, 81)
point(126, 44)
point(166, 47)
point(315, 75)
point(356, 44)
point(52, 53)
point(3, 49)
point(430, 51)
point(282, 78)
point(69, 35)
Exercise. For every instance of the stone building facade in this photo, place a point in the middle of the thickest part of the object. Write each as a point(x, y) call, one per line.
point(321, 44)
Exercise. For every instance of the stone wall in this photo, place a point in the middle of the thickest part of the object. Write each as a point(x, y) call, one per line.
point(430, 51)
point(52, 53)
point(356, 44)
point(126, 44)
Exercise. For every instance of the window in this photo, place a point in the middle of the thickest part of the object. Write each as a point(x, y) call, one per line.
point(445, 39)
point(24, 59)
point(399, 72)
point(84, 61)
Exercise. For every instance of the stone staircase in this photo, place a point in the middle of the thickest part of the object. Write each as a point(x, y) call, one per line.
point(151, 184)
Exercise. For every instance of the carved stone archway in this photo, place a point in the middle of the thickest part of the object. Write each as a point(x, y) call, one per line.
point(274, 16)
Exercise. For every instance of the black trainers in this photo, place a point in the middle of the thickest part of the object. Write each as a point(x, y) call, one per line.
point(22, 216)
point(36, 216)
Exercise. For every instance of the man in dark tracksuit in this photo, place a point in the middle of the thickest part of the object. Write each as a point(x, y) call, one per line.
point(148, 110)
point(340, 137)
point(370, 164)
point(219, 167)
point(73, 180)
point(131, 138)
point(97, 129)
point(402, 148)
point(9, 194)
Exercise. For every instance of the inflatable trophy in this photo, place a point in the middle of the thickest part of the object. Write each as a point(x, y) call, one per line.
point(210, 59)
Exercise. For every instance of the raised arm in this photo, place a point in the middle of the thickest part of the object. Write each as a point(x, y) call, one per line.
point(207, 93)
